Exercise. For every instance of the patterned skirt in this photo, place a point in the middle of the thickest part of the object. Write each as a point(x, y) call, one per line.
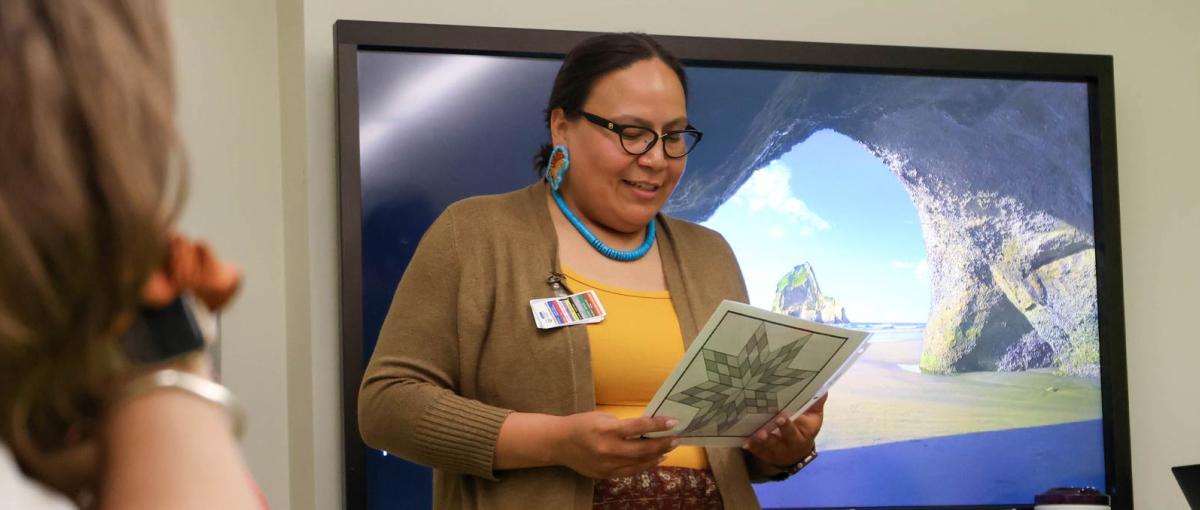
point(661, 488)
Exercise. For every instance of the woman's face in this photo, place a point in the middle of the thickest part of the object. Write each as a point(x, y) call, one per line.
point(605, 185)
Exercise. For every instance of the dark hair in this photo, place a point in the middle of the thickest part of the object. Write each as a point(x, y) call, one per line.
point(593, 59)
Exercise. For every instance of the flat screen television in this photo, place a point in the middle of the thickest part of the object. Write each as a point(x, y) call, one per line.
point(959, 204)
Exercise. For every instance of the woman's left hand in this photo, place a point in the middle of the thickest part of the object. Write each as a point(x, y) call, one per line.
point(792, 440)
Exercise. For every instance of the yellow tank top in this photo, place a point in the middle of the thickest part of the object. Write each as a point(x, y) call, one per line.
point(633, 352)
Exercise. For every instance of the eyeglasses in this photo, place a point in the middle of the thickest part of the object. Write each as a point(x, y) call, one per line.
point(638, 140)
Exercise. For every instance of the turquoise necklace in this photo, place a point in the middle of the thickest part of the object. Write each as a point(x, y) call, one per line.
point(604, 249)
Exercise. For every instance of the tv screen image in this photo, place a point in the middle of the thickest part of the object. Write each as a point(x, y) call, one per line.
point(950, 216)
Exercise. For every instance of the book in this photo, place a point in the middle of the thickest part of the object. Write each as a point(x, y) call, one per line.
point(746, 366)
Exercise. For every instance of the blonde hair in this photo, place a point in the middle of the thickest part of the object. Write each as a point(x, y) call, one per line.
point(91, 178)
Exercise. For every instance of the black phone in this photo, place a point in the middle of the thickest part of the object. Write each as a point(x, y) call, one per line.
point(160, 334)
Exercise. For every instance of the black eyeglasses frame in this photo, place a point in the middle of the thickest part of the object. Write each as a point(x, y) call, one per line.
point(620, 128)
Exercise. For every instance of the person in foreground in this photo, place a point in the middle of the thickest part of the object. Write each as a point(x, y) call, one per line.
point(511, 416)
point(90, 182)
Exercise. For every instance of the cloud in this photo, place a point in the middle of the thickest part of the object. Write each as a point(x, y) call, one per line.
point(770, 188)
point(920, 268)
point(778, 232)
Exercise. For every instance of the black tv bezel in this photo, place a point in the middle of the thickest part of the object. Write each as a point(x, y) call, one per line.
point(351, 36)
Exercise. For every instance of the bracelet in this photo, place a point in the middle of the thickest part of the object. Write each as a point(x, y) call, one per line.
point(190, 384)
point(786, 471)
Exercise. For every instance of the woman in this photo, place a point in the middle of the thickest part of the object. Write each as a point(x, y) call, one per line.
point(90, 182)
point(511, 416)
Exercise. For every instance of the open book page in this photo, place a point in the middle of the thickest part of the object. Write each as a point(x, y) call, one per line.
point(746, 366)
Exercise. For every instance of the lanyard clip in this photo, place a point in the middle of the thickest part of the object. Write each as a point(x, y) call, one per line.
point(557, 282)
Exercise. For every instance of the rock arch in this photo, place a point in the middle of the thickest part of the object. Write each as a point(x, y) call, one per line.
point(1000, 174)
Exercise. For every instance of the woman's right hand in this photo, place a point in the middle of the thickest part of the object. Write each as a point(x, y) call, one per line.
point(601, 446)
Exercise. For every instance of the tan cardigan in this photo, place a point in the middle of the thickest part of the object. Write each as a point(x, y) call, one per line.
point(459, 351)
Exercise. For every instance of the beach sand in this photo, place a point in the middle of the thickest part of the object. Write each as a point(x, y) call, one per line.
point(883, 398)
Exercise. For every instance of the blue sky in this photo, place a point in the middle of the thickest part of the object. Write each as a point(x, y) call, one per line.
point(831, 203)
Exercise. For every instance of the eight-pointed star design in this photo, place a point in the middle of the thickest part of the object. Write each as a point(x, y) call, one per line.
point(748, 383)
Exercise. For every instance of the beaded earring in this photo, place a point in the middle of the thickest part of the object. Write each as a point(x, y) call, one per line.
point(557, 165)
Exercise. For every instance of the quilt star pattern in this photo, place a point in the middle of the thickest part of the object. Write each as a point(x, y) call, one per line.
point(746, 383)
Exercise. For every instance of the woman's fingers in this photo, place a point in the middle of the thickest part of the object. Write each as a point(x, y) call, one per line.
point(819, 407)
point(790, 435)
point(632, 445)
point(810, 422)
point(636, 427)
point(645, 450)
point(788, 440)
point(762, 450)
point(763, 433)
point(648, 459)
point(784, 445)
point(613, 447)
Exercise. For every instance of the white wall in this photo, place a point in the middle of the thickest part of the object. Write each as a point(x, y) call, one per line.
point(258, 106)
point(226, 65)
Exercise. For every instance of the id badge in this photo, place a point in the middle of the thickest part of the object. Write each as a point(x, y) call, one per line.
point(556, 312)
